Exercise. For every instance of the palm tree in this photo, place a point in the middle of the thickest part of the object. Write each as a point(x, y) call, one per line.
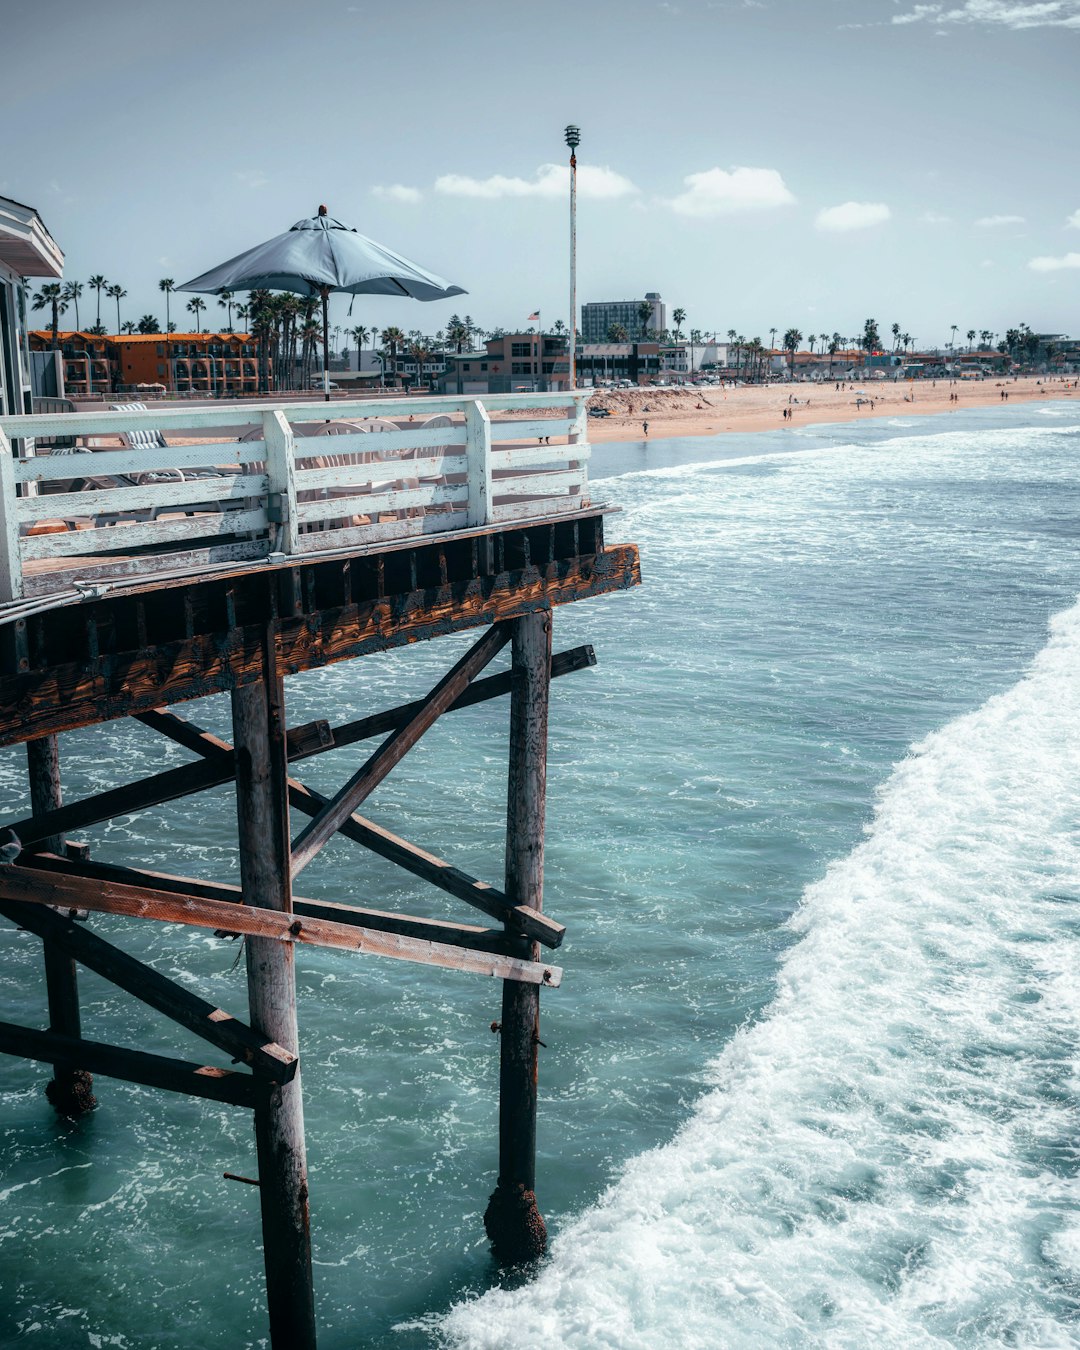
point(456, 333)
point(954, 327)
point(149, 324)
point(225, 300)
point(695, 341)
point(196, 307)
point(617, 333)
point(792, 338)
point(52, 296)
point(420, 353)
point(72, 291)
point(98, 283)
point(772, 338)
point(394, 338)
point(871, 338)
point(907, 340)
point(810, 342)
point(361, 334)
point(679, 317)
point(970, 337)
point(644, 313)
point(834, 347)
point(896, 336)
point(128, 326)
point(244, 312)
point(167, 285)
point(116, 292)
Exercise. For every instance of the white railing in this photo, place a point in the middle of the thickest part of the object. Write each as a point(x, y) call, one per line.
point(277, 479)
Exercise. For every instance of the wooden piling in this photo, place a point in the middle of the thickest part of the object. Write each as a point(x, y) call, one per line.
point(70, 1091)
point(512, 1220)
point(261, 797)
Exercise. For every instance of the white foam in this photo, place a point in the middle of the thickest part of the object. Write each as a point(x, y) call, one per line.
point(883, 1158)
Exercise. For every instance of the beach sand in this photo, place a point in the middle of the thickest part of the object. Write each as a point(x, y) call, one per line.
point(709, 411)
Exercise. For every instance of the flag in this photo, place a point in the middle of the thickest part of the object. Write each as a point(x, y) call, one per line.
point(532, 317)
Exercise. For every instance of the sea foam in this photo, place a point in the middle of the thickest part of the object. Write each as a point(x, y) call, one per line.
point(888, 1156)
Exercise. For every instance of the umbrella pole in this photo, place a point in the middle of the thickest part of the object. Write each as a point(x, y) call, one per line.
point(326, 343)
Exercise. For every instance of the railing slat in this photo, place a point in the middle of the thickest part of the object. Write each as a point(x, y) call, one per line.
point(98, 463)
point(526, 458)
point(372, 503)
point(532, 430)
point(355, 475)
point(147, 496)
point(118, 538)
point(372, 442)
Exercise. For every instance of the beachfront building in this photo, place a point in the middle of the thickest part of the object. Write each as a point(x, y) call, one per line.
point(26, 250)
point(603, 362)
point(210, 364)
point(685, 360)
point(512, 363)
point(598, 316)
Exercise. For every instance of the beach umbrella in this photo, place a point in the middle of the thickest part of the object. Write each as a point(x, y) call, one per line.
point(319, 256)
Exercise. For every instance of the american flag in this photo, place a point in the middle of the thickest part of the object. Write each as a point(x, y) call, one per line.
point(535, 316)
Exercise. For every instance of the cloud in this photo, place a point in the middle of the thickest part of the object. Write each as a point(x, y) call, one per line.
point(550, 180)
point(1014, 14)
point(1069, 262)
point(852, 216)
point(398, 192)
point(1073, 223)
point(933, 218)
point(251, 178)
point(995, 222)
point(716, 192)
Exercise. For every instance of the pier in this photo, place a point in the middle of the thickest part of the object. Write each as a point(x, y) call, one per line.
point(177, 554)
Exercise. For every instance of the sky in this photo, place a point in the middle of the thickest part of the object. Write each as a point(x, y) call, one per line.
point(760, 163)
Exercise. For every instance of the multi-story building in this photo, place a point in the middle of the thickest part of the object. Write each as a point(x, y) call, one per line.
point(602, 361)
point(26, 250)
point(189, 363)
point(513, 363)
point(598, 316)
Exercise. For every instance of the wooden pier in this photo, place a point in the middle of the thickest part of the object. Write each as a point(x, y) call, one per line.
point(219, 550)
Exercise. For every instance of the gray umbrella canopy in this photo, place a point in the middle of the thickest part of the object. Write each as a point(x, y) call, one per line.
point(317, 257)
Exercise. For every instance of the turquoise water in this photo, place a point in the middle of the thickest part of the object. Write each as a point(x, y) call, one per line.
point(812, 1076)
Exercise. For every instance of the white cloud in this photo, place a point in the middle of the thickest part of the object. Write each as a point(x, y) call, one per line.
point(251, 178)
point(995, 222)
point(716, 192)
point(852, 216)
point(398, 192)
point(1015, 14)
point(1069, 262)
point(1073, 223)
point(933, 218)
point(550, 180)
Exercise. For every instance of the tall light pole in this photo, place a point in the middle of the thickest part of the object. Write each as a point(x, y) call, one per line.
point(573, 140)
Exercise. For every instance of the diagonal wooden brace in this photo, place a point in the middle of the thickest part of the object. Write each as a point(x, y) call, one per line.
point(368, 777)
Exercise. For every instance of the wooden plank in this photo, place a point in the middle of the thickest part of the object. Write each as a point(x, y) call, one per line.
point(478, 454)
point(133, 1066)
point(155, 990)
point(123, 537)
point(374, 503)
point(97, 463)
point(143, 568)
point(171, 418)
point(431, 930)
point(350, 539)
point(340, 476)
point(367, 778)
point(107, 897)
point(164, 496)
point(546, 483)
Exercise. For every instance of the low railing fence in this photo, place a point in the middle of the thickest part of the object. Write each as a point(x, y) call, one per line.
point(299, 478)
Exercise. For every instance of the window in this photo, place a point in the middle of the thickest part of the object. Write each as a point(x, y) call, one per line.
point(521, 349)
point(160, 352)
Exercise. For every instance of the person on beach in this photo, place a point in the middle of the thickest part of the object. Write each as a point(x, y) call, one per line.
point(645, 429)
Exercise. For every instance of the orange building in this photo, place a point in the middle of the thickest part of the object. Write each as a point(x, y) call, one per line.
point(192, 363)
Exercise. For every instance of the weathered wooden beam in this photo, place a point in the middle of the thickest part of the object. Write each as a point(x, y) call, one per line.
point(430, 930)
point(133, 1066)
point(107, 897)
point(512, 1220)
point(79, 691)
point(155, 990)
point(262, 812)
point(368, 777)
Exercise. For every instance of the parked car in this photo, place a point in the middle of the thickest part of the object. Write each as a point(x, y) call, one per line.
point(599, 412)
point(318, 384)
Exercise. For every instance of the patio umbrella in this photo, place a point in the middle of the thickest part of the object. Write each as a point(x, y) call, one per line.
point(319, 256)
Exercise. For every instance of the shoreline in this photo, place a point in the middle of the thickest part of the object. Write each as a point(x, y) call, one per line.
point(751, 408)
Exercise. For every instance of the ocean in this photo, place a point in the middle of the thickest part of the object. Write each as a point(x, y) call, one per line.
point(812, 1075)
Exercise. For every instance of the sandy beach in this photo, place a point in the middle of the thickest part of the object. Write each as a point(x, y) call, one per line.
point(709, 410)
